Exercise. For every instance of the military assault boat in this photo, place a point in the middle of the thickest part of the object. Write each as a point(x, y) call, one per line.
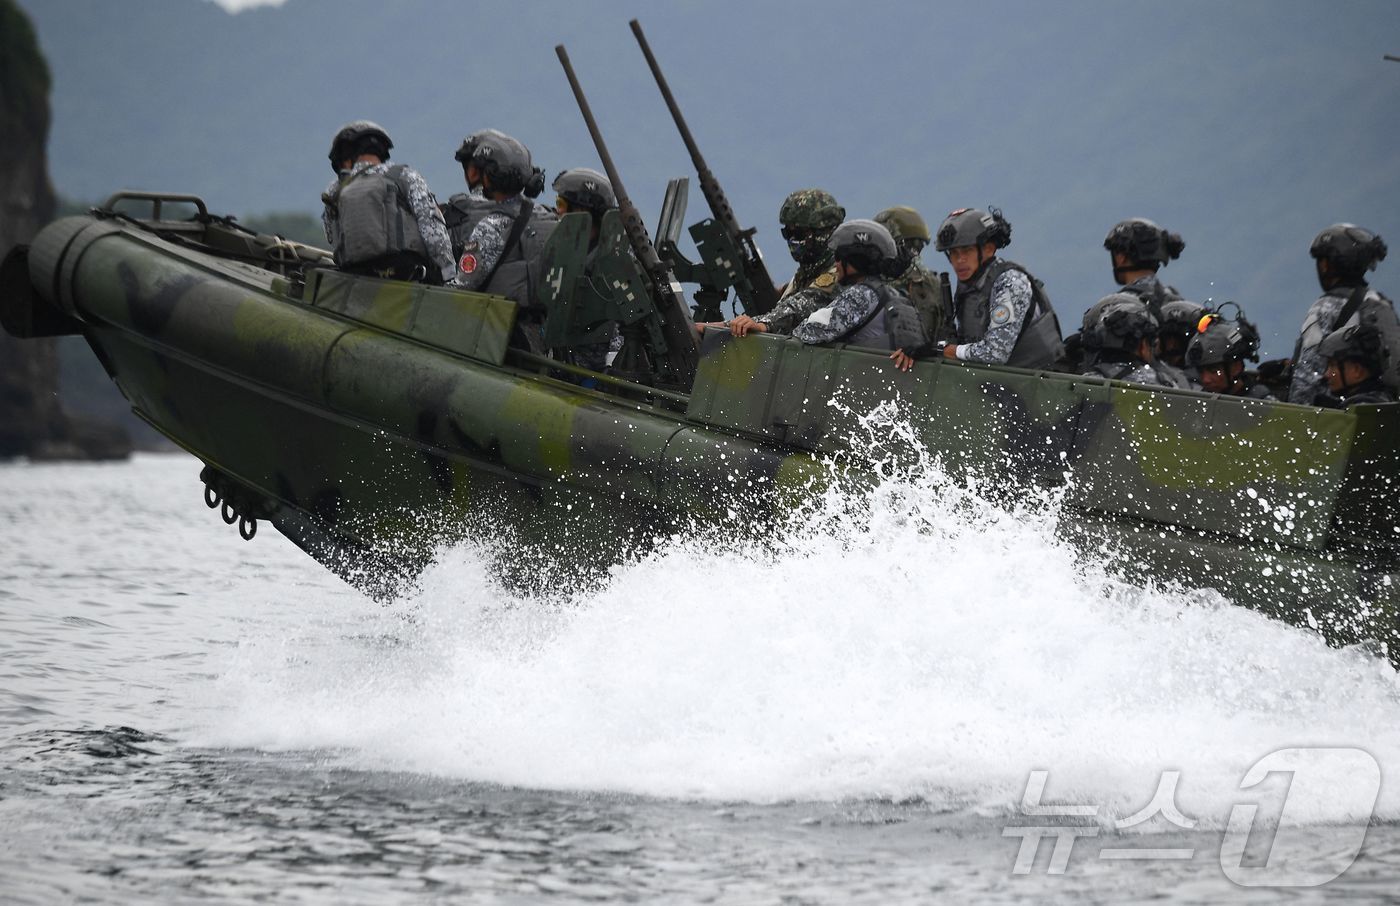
point(370, 421)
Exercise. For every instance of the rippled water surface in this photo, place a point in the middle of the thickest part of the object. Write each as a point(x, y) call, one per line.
point(849, 716)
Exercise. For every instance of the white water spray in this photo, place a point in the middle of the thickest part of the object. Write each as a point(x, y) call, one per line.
point(909, 640)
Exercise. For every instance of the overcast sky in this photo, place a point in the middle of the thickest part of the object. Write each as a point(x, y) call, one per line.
point(1246, 125)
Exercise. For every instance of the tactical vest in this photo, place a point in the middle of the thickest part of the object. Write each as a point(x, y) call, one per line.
point(925, 292)
point(1375, 394)
point(891, 324)
point(517, 275)
point(462, 213)
point(1255, 390)
point(1038, 344)
point(1166, 375)
point(372, 217)
point(1375, 309)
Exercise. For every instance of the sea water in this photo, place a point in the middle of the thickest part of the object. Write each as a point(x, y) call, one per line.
point(872, 704)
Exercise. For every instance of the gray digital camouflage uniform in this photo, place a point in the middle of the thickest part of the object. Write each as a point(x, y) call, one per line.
point(425, 209)
point(1153, 374)
point(483, 250)
point(850, 306)
point(1008, 302)
point(1321, 319)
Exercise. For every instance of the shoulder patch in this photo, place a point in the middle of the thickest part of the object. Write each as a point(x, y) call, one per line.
point(1001, 315)
point(468, 260)
point(824, 280)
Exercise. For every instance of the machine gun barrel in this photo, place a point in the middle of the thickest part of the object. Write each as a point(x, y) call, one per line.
point(682, 353)
point(755, 289)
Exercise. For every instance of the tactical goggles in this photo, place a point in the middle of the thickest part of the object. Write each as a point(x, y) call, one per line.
point(799, 234)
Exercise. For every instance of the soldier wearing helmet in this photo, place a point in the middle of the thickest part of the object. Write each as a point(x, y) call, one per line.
point(1218, 352)
point(1117, 334)
point(867, 311)
point(1361, 358)
point(808, 217)
point(582, 189)
point(1003, 314)
point(380, 219)
point(1342, 253)
point(1177, 324)
point(1137, 247)
point(921, 286)
point(464, 210)
point(588, 191)
point(510, 235)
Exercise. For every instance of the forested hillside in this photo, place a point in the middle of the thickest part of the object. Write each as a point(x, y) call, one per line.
point(1245, 126)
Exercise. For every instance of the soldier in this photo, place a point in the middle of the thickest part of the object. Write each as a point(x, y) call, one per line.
point(1004, 316)
point(1118, 334)
point(464, 210)
point(1218, 353)
point(1137, 248)
point(921, 286)
point(382, 220)
point(1361, 361)
point(501, 255)
point(866, 311)
point(582, 189)
point(808, 217)
point(1343, 253)
point(1176, 326)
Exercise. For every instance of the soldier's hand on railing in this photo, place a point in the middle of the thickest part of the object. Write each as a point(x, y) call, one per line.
point(902, 360)
point(743, 324)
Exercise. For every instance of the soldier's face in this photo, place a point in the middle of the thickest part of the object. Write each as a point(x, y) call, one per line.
point(1220, 378)
point(964, 260)
point(1171, 348)
point(1341, 375)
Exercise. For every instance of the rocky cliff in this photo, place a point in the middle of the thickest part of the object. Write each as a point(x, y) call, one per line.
point(32, 420)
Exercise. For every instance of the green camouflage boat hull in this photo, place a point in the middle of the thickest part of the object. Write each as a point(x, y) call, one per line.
point(373, 421)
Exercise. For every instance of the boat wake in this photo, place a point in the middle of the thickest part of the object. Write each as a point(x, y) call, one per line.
point(911, 639)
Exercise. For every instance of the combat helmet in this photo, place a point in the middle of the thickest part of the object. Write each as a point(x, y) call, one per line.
point(909, 230)
point(904, 224)
point(1362, 341)
point(1145, 244)
point(973, 226)
point(468, 147)
point(504, 161)
point(1350, 250)
point(1118, 321)
point(1180, 319)
point(1218, 341)
point(808, 216)
point(585, 189)
point(864, 244)
point(359, 137)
